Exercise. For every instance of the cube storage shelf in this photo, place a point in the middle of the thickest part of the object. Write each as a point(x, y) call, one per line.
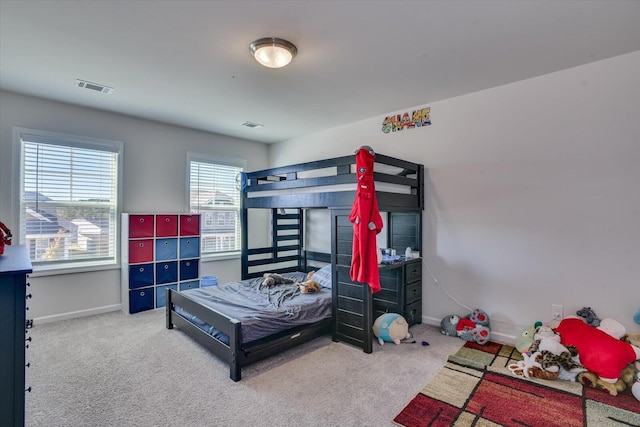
point(159, 251)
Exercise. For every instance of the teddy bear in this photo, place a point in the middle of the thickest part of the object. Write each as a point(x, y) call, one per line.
point(272, 279)
point(309, 285)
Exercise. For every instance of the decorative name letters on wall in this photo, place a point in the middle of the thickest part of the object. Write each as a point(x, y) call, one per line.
point(398, 122)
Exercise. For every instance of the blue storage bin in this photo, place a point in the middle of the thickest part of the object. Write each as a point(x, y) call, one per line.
point(167, 272)
point(189, 247)
point(192, 284)
point(188, 269)
point(140, 275)
point(209, 281)
point(140, 300)
point(166, 249)
point(161, 294)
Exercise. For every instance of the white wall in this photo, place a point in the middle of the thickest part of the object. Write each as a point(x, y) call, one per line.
point(533, 194)
point(154, 181)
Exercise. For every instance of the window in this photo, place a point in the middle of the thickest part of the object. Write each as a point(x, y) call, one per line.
point(68, 198)
point(214, 194)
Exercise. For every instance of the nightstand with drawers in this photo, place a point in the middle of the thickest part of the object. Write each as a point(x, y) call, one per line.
point(401, 291)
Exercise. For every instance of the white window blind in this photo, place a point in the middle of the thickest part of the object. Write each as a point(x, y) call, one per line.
point(214, 194)
point(68, 199)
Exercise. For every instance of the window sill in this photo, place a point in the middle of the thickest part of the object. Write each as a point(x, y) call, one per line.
point(42, 271)
point(220, 257)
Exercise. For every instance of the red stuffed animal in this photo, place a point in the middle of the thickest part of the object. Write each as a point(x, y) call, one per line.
point(5, 237)
point(599, 352)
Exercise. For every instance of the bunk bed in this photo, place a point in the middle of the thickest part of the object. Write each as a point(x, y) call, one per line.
point(287, 193)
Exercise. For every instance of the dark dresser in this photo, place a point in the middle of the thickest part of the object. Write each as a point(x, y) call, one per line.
point(14, 327)
point(401, 291)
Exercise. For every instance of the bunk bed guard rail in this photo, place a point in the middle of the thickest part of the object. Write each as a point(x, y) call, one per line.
point(330, 183)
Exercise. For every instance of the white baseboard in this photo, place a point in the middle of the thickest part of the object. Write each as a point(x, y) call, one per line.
point(76, 314)
point(495, 336)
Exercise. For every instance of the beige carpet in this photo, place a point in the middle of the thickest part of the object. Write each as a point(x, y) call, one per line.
point(128, 370)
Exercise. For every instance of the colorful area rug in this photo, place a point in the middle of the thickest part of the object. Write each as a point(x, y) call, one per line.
point(475, 388)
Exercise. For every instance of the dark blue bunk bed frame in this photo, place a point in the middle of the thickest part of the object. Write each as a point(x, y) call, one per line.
point(352, 301)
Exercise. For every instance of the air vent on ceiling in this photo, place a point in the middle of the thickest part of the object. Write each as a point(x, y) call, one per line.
point(93, 86)
point(252, 125)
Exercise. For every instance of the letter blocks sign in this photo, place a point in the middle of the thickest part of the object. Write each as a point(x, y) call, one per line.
point(159, 251)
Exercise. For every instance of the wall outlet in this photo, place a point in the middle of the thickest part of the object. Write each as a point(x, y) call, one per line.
point(556, 311)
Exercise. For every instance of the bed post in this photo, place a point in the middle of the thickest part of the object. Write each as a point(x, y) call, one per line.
point(234, 346)
point(302, 261)
point(244, 224)
point(168, 309)
point(367, 319)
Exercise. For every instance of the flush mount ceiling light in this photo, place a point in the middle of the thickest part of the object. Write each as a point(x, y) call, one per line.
point(273, 52)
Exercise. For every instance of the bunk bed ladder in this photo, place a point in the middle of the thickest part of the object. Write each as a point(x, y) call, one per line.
point(285, 252)
point(352, 301)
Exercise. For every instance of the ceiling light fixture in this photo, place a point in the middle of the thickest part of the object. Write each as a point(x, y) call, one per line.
point(273, 52)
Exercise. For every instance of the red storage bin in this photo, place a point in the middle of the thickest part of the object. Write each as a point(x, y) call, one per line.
point(166, 225)
point(140, 251)
point(140, 226)
point(189, 225)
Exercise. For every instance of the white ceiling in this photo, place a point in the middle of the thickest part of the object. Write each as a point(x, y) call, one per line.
point(188, 62)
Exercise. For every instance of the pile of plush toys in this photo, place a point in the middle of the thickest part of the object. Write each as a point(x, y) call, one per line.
point(597, 353)
point(473, 327)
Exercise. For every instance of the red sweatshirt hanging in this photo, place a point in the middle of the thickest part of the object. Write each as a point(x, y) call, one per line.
point(367, 222)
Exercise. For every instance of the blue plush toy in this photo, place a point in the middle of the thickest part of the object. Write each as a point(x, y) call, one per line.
point(636, 317)
point(391, 327)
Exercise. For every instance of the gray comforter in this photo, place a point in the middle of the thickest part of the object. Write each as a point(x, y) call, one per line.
point(264, 311)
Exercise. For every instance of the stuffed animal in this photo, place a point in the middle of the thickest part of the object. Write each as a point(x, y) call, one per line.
point(473, 327)
point(272, 279)
point(613, 328)
point(479, 317)
point(525, 339)
point(391, 327)
point(628, 379)
point(634, 339)
point(531, 367)
point(5, 237)
point(309, 285)
point(589, 316)
point(635, 388)
point(448, 325)
point(599, 352)
point(554, 355)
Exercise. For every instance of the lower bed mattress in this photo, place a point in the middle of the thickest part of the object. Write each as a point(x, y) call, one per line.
point(262, 311)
